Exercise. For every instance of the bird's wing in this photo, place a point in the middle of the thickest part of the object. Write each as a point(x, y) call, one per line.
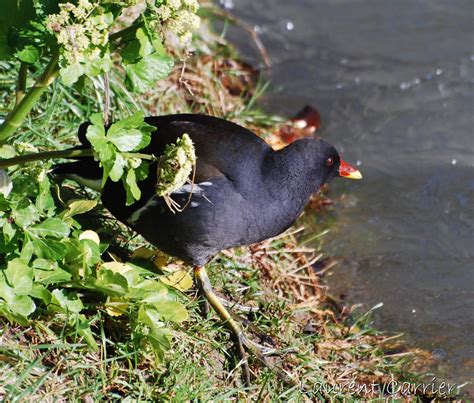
point(222, 147)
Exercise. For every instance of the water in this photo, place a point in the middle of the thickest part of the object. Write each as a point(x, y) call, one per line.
point(394, 84)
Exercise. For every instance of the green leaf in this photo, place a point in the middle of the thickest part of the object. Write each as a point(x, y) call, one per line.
point(81, 255)
point(142, 76)
point(118, 168)
point(111, 283)
point(137, 48)
point(97, 66)
point(45, 201)
point(71, 73)
point(9, 231)
point(19, 276)
point(29, 54)
point(147, 290)
point(160, 341)
point(84, 329)
point(54, 227)
point(131, 187)
point(77, 207)
point(130, 134)
point(49, 249)
point(22, 305)
point(48, 272)
point(173, 311)
point(62, 302)
point(25, 216)
point(90, 252)
point(6, 292)
point(149, 316)
point(41, 292)
point(127, 140)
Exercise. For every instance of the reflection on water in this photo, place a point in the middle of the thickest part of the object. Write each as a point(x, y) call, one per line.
point(394, 84)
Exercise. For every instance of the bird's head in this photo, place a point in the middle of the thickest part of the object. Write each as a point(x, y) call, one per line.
point(330, 164)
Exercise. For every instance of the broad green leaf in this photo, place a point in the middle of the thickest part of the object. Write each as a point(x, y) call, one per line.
point(131, 187)
point(9, 231)
point(19, 276)
point(71, 73)
point(126, 140)
point(142, 76)
point(98, 121)
point(137, 48)
point(49, 249)
point(25, 216)
point(22, 305)
point(81, 254)
point(41, 292)
point(173, 311)
point(48, 272)
point(54, 227)
point(27, 249)
point(118, 168)
point(6, 292)
point(77, 207)
point(97, 66)
point(146, 290)
point(149, 316)
point(62, 302)
point(131, 133)
point(111, 283)
point(29, 54)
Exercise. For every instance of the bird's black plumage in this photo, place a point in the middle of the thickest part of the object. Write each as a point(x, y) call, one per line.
point(244, 191)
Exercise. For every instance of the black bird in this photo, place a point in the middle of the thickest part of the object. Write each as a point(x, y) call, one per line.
point(244, 192)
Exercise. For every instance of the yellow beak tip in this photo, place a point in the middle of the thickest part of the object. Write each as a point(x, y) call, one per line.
point(353, 175)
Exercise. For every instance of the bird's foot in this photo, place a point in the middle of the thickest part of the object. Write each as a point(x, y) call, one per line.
point(241, 342)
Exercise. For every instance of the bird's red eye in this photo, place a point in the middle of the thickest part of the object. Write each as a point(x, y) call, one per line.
point(330, 162)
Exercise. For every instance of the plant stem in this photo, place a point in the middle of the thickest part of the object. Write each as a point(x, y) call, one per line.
point(46, 155)
point(18, 114)
point(70, 153)
point(21, 83)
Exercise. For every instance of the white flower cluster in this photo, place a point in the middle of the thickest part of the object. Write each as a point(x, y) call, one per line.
point(180, 17)
point(81, 30)
point(175, 165)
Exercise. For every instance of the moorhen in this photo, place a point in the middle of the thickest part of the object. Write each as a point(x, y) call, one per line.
point(244, 192)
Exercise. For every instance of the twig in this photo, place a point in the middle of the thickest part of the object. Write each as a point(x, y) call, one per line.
point(247, 27)
point(71, 153)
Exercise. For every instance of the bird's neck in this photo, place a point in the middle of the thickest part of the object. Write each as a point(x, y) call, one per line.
point(294, 178)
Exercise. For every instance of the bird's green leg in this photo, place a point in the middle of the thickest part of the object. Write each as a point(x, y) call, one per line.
point(205, 288)
point(240, 340)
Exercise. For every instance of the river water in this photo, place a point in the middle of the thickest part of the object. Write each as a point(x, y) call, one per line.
point(393, 81)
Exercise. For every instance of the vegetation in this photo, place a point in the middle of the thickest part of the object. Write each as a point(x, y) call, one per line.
point(88, 310)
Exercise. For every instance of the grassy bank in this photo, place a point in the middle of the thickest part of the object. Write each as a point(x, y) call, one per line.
point(330, 352)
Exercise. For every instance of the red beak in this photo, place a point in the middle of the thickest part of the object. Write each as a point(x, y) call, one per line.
point(349, 172)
